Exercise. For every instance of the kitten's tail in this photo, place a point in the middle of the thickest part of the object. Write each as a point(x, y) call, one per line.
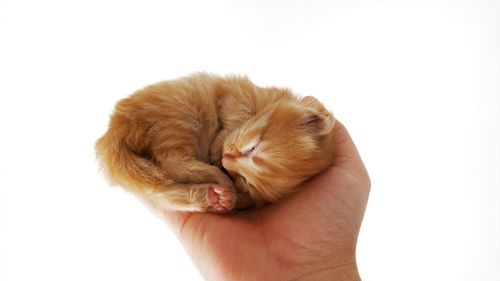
point(126, 166)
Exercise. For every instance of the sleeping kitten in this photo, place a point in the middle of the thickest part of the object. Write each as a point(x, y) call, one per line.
point(172, 141)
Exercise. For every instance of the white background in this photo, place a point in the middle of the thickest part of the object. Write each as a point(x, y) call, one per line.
point(417, 83)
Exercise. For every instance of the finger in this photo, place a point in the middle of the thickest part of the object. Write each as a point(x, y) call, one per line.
point(346, 154)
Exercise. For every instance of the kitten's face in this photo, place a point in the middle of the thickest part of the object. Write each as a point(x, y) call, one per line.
point(279, 148)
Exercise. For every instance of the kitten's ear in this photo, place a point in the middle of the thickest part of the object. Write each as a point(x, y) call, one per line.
point(312, 102)
point(317, 118)
point(321, 123)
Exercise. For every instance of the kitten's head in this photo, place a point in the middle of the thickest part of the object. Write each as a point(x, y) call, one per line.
point(280, 147)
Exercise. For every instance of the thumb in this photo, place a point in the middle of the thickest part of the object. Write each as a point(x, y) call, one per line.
point(346, 154)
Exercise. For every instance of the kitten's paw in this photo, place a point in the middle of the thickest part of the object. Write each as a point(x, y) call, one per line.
point(221, 198)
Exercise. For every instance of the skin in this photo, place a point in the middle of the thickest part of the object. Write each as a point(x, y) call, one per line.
point(311, 235)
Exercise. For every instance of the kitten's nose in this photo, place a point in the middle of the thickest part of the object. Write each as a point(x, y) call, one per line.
point(227, 160)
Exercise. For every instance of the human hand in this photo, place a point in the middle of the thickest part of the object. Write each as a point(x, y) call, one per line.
point(309, 236)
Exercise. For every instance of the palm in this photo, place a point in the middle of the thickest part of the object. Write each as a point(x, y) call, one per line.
point(299, 231)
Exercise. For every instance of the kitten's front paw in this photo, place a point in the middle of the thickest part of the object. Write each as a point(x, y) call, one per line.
point(220, 198)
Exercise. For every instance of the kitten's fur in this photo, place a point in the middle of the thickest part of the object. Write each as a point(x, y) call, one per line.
point(171, 141)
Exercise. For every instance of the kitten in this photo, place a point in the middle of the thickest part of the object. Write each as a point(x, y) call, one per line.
point(173, 141)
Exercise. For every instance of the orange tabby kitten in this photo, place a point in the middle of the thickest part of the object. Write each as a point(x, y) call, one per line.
point(172, 141)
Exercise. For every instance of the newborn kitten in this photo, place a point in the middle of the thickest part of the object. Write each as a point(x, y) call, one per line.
point(171, 142)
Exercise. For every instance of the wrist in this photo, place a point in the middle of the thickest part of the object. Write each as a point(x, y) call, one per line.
point(341, 272)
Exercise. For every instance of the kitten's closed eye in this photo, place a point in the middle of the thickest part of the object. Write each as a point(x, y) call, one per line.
point(236, 159)
point(250, 147)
